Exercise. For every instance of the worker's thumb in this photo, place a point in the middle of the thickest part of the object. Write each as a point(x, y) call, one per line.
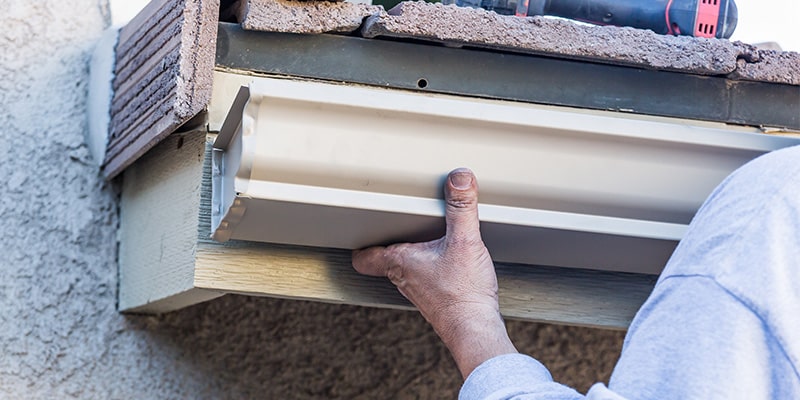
point(461, 209)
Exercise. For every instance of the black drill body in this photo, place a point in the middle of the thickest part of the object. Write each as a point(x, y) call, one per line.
point(677, 17)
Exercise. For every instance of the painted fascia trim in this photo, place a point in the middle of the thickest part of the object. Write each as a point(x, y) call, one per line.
point(286, 190)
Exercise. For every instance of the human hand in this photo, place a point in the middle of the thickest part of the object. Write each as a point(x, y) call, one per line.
point(451, 280)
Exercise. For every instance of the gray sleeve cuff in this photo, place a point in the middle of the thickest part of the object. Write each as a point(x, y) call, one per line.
point(513, 375)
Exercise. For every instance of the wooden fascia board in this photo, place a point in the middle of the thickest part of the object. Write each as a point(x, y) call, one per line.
point(532, 293)
point(159, 215)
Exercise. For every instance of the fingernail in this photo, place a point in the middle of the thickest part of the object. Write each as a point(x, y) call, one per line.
point(461, 180)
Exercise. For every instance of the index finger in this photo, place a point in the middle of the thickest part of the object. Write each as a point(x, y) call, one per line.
point(371, 261)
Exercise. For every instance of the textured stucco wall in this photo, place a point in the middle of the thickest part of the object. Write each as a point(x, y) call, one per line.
point(60, 335)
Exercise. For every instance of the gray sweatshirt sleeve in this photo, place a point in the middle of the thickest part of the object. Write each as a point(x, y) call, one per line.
point(513, 376)
point(693, 339)
point(520, 377)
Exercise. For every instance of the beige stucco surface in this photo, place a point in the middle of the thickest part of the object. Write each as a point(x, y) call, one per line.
point(60, 333)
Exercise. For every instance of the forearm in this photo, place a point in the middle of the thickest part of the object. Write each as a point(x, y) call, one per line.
point(475, 338)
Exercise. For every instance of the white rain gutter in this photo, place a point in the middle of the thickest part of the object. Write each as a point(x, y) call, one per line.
point(342, 166)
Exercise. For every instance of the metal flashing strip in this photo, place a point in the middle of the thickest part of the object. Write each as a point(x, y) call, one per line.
point(498, 75)
point(341, 166)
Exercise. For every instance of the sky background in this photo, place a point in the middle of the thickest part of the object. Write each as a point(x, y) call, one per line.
point(759, 20)
point(769, 20)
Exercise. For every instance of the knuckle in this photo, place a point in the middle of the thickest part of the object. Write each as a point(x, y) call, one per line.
point(393, 259)
point(395, 275)
point(396, 252)
point(461, 201)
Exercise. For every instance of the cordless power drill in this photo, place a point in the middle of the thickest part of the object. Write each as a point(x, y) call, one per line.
point(699, 18)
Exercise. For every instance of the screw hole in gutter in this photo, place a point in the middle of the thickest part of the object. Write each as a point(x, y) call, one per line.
point(422, 83)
